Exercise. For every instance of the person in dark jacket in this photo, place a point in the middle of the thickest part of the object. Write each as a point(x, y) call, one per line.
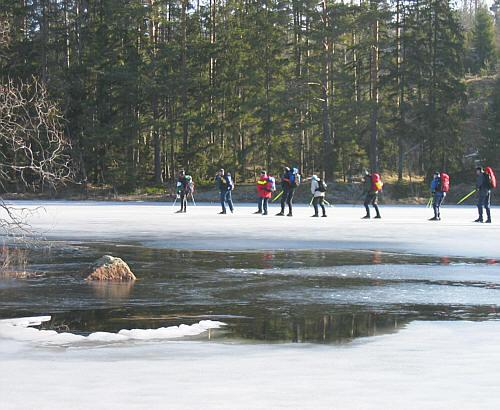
point(290, 180)
point(437, 196)
point(483, 189)
point(371, 197)
point(183, 189)
point(225, 185)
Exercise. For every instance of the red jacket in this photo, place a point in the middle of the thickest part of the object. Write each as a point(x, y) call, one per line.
point(263, 187)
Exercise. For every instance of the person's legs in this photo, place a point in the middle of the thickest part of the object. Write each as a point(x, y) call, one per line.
point(283, 201)
point(322, 204)
point(487, 203)
point(259, 205)
point(366, 203)
point(375, 204)
point(315, 205)
point(264, 205)
point(480, 203)
point(440, 199)
point(289, 200)
point(229, 201)
point(183, 202)
point(222, 201)
point(435, 206)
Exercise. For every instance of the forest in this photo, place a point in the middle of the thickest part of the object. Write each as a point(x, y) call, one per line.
point(144, 88)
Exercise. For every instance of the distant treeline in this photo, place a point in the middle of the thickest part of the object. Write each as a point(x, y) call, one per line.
point(147, 87)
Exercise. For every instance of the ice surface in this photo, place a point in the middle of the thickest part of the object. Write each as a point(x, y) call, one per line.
point(428, 365)
point(459, 272)
point(402, 229)
point(431, 365)
point(20, 329)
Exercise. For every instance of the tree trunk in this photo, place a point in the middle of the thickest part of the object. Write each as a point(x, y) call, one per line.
point(327, 160)
point(374, 165)
point(185, 134)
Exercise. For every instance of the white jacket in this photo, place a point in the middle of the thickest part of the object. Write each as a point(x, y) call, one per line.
point(315, 186)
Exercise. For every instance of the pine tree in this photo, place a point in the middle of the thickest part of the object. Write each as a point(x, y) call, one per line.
point(483, 42)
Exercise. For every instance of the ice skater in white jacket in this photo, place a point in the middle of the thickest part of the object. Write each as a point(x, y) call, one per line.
point(318, 189)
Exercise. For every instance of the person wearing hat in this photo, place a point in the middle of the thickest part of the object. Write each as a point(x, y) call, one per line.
point(318, 189)
point(483, 195)
point(438, 196)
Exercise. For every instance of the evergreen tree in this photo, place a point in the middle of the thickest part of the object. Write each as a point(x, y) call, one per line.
point(483, 42)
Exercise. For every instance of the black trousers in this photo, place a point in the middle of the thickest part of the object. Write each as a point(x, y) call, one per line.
point(319, 200)
point(484, 200)
point(371, 198)
point(184, 201)
point(287, 198)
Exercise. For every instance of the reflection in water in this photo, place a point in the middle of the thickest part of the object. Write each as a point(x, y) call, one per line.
point(376, 257)
point(313, 296)
point(445, 260)
point(108, 290)
point(322, 328)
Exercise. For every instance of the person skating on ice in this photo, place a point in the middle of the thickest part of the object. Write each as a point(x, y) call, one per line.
point(225, 185)
point(440, 185)
point(373, 185)
point(266, 185)
point(318, 189)
point(290, 181)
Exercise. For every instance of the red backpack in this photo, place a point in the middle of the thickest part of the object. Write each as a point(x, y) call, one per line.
point(377, 183)
point(491, 177)
point(445, 182)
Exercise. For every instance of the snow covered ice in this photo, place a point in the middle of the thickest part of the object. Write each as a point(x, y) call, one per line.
point(21, 329)
point(431, 364)
point(402, 229)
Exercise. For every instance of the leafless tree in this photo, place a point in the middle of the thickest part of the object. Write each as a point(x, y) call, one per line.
point(33, 149)
point(34, 152)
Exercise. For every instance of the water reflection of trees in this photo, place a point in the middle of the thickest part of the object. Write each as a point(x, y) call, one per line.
point(322, 328)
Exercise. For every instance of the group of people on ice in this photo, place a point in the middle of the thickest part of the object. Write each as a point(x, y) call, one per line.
point(373, 185)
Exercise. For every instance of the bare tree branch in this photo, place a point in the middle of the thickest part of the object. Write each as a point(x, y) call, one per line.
point(34, 150)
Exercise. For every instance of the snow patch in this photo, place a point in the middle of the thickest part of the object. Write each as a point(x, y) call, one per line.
point(21, 329)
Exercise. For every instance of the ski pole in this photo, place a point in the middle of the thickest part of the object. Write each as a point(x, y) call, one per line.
point(429, 202)
point(310, 203)
point(275, 199)
point(326, 202)
point(176, 197)
point(466, 196)
point(192, 197)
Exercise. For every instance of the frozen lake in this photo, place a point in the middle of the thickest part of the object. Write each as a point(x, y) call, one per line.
point(244, 311)
point(402, 229)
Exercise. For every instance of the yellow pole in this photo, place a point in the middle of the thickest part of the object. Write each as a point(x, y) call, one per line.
point(275, 199)
point(466, 196)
